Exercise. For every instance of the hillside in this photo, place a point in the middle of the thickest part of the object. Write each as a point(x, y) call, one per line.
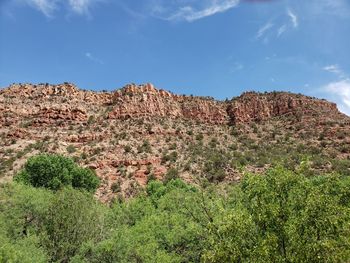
point(140, 132)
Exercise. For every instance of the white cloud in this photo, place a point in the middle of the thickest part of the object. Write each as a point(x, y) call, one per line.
point(89, 56)
point(80, 6)
point(335, 69)
point(194, 10)
point(281, 27)
point(49, 7)
point(236, 67)
point(293, 17)
point(263, 30)
point(340, 90)
point(281, 30)
point(339, 8)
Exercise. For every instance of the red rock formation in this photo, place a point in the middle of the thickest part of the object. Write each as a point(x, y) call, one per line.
point(50, 115)
point(132, 101)
point(252, 106)
point(17, 133)
point(147, 101)
point(44, 92)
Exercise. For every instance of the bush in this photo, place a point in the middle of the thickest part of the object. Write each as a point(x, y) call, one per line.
point(71, 149)
point(172, 157)
point(54, 172)
point(214, 167)
point(199, 137)
point(116, 188)
point(171, 174)
point(127, 148)
point(145, 147)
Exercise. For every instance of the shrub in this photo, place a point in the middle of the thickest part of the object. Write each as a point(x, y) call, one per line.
point(145, 147)
point(54, 172)
point(199, 137)
point(71, 149)
point(172, 157)
point(116, 187)
point(171, 174)
point(127, 148)
point(214, 167)
point(91, 120)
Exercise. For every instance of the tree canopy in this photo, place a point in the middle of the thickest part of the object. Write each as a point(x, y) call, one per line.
point(278, 216)
point(55, 171)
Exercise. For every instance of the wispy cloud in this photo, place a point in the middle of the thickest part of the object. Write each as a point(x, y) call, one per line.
point(194, 10)
point(80, 6)
point(237, 66)
point(340, 90)
point(49, 7)
point(339, 8)
point(89, 56)
point(281, 30)
point(280, 27)
point(335, 69)
point(262, 30)
point(293, 17)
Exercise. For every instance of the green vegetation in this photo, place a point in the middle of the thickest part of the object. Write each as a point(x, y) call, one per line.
point(145, 147)
point(54, 172)
point(280, 216)
point(71, 149)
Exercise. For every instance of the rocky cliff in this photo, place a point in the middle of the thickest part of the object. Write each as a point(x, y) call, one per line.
point(147, 101)
point(66, 102)
point(138, 132)
point(253, 107)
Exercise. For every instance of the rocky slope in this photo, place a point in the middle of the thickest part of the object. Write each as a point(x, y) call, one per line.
point(138, 132)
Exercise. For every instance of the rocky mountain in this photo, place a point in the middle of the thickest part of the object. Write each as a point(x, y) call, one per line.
point(132, 134)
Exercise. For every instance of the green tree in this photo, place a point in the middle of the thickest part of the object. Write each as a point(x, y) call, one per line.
point(283, 216)
point(26, 250)
point(55, 171)
point(152, 228)
point(22, 209)
point(72, 219)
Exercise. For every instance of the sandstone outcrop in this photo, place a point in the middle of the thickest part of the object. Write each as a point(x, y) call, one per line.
point(139, 130)
point(67, 92)
point(146, 101)
point(52, 114)
point(252, 106)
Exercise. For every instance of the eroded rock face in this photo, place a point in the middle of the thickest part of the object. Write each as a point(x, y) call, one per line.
point(101, 126)
point(147, 101)
point(45, 104)
point(67, 102)
point(144, 101)
point(252, 106)
point(53, 114)
point(46, 92)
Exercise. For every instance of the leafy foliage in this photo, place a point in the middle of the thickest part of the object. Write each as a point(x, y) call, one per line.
point(285, 217)
point(54, 172)
point(280, 216)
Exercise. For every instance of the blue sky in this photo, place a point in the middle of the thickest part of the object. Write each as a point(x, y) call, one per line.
point(218, 48)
